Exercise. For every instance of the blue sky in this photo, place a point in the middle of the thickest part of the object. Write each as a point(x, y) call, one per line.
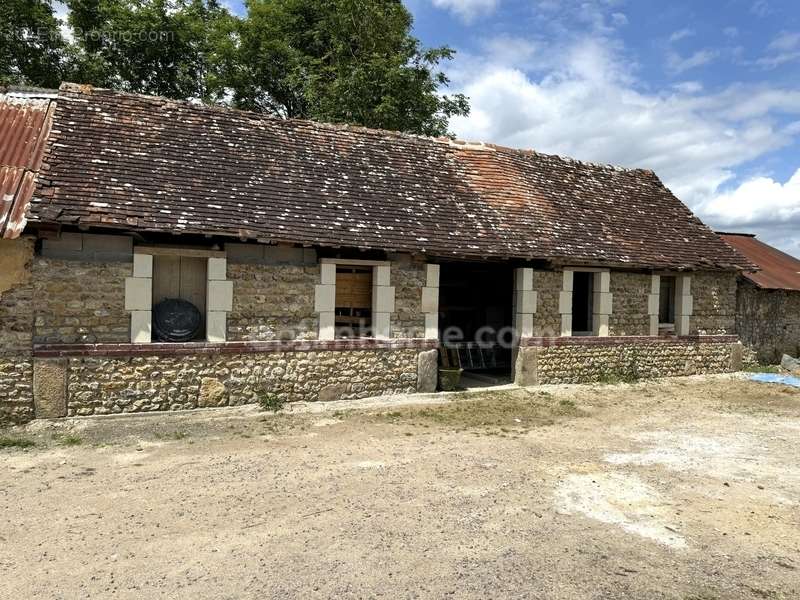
point(704, 92)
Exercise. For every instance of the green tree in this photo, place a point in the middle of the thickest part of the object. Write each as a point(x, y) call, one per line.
point(350, 61)
point(32, 49)
point(163, 47)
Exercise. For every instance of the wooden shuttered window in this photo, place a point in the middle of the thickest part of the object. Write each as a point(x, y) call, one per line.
point(353, 301)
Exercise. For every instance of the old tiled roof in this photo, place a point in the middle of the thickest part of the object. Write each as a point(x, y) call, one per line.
point(151, 164)
point(24, 125)
point(779, 271)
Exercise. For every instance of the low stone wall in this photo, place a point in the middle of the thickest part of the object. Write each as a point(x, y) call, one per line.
point(117, 384)
point(16, 389)
point(619, 359)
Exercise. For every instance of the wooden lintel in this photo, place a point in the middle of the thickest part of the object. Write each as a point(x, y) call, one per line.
point(178, 251)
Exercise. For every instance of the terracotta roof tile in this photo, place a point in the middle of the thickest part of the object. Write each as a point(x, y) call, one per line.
point(152, 164)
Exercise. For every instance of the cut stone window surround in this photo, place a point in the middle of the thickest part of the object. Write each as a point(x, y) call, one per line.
point(139, 293)
point(430, 301)
point(383, 296)
point(684, 302)
point(602, 300)
point(525, 302)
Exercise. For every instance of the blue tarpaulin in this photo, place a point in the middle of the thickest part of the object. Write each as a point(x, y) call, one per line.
point(775, 378)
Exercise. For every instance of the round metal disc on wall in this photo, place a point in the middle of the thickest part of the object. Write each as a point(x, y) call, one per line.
point(176, 320)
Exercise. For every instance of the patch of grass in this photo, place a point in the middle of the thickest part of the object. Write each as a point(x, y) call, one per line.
point(70, 440)
point(179, 435)
point(495, 413)
point(271, 401)
point(14, 442)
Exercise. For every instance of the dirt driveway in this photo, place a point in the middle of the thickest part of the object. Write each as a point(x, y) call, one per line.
point(685, 489)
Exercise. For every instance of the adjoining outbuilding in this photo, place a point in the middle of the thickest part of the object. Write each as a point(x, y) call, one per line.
point(314, 261)
point(767, 300)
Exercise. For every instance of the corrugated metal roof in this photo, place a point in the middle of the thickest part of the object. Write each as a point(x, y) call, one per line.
point(779, 271)
point(25, 121)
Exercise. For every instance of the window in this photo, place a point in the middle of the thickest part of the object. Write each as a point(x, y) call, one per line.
point(666, 301)
point(179, 278)
point(582, 303)
point(353, 311)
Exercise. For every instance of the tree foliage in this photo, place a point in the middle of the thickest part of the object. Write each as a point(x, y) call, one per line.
point(350, 61)
point(32, 49)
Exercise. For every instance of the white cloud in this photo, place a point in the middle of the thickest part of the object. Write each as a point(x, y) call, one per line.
point(678, 64)
point(619, 19)
point(467, 10)
point(730, 32)
point(760, 205)
point(680, 34)
point(582, 99)
point(785, 48)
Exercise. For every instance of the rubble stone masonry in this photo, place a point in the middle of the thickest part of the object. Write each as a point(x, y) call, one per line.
point(103, 385)
point(16, 327)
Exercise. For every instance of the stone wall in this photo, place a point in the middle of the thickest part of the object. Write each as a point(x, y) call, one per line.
point(714, 296)
point(80, 302)
point(578, 363)
point(629, 311)
point(408, 279)
point(272, 302)
point(16, 327)
point(547, 320)
point(768, 321)
point(139, 384)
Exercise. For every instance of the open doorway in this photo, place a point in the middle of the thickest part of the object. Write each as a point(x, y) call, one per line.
point(475, 319)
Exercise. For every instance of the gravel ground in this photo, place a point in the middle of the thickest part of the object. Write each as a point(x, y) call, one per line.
point(685, 489)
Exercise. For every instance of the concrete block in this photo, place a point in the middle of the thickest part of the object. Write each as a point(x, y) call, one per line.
point(216, 326)
point(600, 325)
point(523, 322)
point(432, 326)
point(652, 303)
point(381, 275)
point(143, 265)
point(432, 275)
point(602, 281)
point(683, 285)
point(602, 303)
point(568, 280)
point(141, 324)
point(138, 293)
point(327, 273)
point(427, 371)
point(383, 298)
point(66, 242)
point(655, 284)
point(682, 325)
point(324, 298)
point(565, 303)
point(219, 296)
point(50, 388)
point(245, 253)
point(737, 357)
point(566, 325)
point(217, 269)
point(430, 300)
point(684, 305)
point(525, 301)
point(526, 367)
point(107, 244)
point(654, 325)
point(523, 279)
point(327, 325)
point(381, 325)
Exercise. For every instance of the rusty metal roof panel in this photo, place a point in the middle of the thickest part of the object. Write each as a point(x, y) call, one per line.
point(779, 271)
point(25, 122)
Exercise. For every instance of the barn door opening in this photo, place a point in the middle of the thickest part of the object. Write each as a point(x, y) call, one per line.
point(182, 278)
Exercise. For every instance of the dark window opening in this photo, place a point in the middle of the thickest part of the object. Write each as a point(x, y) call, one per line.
point(666, 301)
point(353, 302)
point(475, 319)
point(582, 303)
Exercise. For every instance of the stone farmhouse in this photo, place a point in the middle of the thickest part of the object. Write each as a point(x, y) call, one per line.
point(319, 262)
point(768, 301)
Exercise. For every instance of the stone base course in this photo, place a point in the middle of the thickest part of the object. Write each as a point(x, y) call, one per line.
point(16, 389)
point(101, 385)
